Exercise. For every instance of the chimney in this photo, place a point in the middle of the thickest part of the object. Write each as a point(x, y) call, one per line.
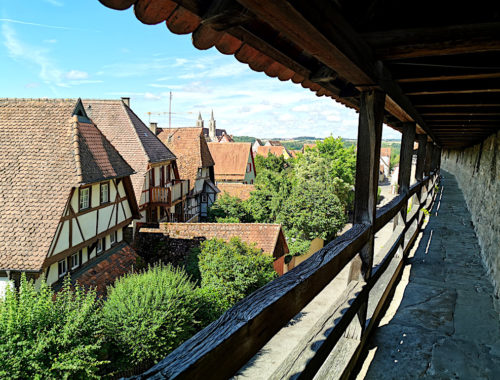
point(211, 128)
point(89, 111)
point(126, 101)
point(153, 127)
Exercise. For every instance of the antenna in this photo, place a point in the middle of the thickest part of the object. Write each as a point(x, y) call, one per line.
point(170, 111)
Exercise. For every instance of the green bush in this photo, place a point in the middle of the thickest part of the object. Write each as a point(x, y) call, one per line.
point(233, 270)
point(147, 315)
point(47, 337)
point(298, 247)
point(227, 206)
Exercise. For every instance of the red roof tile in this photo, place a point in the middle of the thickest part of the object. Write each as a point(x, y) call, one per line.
point(275, 150)
point(134, 140)
point(265, 236)
point(44, 153)
point(230, 160)
point(106, 270)
point(239, 190)
point(191, 149)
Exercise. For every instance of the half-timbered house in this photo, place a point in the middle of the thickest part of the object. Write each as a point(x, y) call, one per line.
point(195, 163)
point(159, 190)
point(65, 191)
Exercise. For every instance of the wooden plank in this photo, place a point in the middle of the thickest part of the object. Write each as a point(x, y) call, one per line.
point(428, 158)
point(245, 328)
point(447, 76)
point(323, 335)
point(407, 140)
point(419, 171)
point(388, 211)
point(432, 41)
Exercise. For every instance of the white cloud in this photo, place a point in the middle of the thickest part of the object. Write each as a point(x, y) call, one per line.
point(51, 41)
point(55, 3)
point(49, 72)
point(77, 74)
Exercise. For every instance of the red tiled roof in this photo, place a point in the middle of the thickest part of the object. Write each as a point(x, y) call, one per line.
point(107, 269)
point(275, 150)
point(44, 153)
point(274, 142)
point(265, 236)
point(191, 149)
point(134, 140)
point(239, 190)
point(230, 160)
point(385, 152)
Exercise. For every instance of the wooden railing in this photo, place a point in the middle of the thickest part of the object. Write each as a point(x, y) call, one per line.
point(160, 195)
point(223, 347)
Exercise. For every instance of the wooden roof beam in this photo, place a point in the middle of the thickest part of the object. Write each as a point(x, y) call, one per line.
point(336, 45)
point(424, 42)
point(477, 86)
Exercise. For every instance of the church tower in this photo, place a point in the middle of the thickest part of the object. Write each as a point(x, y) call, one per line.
point(212, 135)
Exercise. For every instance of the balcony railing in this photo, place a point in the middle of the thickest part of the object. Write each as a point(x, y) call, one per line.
point(169, 195)
point(161, 195)
point(227, 344)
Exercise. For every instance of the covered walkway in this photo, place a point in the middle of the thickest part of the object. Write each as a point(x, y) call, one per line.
point(442, 322)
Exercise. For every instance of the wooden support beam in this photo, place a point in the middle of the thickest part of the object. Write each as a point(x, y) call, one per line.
point(371, 116)
point(428, 159)
point(476, 86)
point(336, 45)
point(407, 140)
point(424, 42)
point(419, 171)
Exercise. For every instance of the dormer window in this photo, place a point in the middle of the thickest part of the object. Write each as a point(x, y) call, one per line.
point(62, 268)
point(84, 195)
point(104, 192)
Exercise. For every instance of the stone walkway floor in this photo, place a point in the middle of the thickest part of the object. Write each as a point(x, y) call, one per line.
point(443, 325)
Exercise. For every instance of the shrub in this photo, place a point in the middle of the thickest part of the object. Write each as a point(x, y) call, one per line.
point(47, 336)
point(233, 270)
point(149, 314)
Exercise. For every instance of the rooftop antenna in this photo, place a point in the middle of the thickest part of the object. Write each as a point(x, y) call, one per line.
point(170, 111)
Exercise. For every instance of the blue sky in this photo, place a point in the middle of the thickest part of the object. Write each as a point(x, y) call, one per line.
point(70, 49)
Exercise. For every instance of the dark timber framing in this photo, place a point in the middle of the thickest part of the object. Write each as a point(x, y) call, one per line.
point(441, 80)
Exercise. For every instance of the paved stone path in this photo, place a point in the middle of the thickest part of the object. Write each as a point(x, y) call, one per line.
point(446, 326)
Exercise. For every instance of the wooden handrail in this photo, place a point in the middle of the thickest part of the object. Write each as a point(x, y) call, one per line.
point(228, 343)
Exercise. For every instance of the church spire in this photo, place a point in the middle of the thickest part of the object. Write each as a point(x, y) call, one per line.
point(199, 122)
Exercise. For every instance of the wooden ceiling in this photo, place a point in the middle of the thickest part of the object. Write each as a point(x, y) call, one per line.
point(437, 61)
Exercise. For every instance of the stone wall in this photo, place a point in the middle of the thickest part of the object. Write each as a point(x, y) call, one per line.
point(477, 170)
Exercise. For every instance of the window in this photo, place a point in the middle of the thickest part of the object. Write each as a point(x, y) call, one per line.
point(75, 260)
point(204, 198)
point(152, 177)
point(167, 171)
point(62, 268)
point(249, 167)
point(104, 192)
point(84, 195)
point(100, 245)
point(112, 238)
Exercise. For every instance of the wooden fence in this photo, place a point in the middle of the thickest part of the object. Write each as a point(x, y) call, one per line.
point(223, 347)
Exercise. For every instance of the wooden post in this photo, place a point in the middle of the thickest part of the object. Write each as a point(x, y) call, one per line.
point(422, 142)
point(428, 158)
point(405, 160)
point(406, 155)
point(435, 158)
point(371, 115)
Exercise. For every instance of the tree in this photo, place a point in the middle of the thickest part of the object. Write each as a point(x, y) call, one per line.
point(233, 270)
point(342, 159)
point(149, 314)
point(227, 206)
point(43, 336)
point(271, 162)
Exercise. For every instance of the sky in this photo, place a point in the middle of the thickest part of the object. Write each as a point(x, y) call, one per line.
point(81, 49)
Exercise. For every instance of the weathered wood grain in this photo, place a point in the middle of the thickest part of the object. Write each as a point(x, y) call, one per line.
point(224, 346)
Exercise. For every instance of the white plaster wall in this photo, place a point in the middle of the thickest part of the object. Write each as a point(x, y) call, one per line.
point(112, 191)
point(121, 189)
point(481, 189)
point(95, 198)
point(63, 242)
point(5, 283)
point(87, 224)
point(250, 177)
